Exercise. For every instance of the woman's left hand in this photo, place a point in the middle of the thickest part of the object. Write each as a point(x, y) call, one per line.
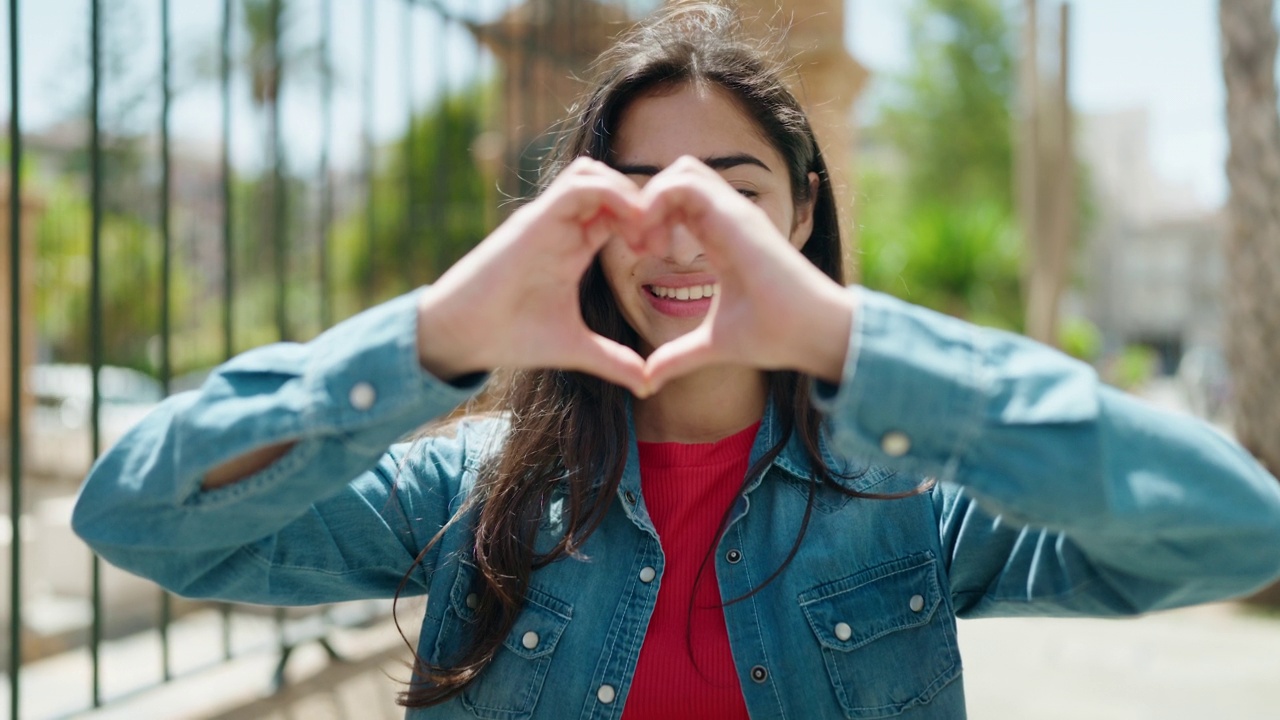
point(774, 310)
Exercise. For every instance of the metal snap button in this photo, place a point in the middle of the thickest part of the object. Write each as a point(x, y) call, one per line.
point(530, 640)
point(759, 673)
point(917, 603)
point(648, 574)
point(631, 497)
point(473, 601)
point(843, 631)
point(606, 694)
point(362, 396)
point(733, 556)
point(895, 443)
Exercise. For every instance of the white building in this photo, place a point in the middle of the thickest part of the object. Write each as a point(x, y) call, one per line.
point(1152, 257)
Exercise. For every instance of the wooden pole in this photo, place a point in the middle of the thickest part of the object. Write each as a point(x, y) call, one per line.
point(1047, 179)
point(1027, 142)
point(1065, 231)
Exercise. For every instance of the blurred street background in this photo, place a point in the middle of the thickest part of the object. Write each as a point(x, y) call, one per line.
point(187, 179)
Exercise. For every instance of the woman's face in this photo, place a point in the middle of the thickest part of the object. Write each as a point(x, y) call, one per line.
point(663, 298)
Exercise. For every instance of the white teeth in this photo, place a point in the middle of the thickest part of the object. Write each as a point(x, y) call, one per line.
point(693, 292)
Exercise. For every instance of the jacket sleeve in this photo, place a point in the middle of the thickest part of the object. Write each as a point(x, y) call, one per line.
point(341, 516)
point(1057, 494)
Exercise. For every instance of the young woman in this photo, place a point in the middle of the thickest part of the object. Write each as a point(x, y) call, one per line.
point(721, 484)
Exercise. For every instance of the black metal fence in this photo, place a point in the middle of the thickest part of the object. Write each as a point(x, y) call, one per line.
point(134, 251)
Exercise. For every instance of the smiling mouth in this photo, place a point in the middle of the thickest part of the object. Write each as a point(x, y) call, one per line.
point(693, 292)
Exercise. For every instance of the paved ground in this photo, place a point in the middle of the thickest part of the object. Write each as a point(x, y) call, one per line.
point(1219, 662)
point(208, 687)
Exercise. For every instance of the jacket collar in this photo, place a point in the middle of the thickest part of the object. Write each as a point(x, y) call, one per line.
point(852, 473)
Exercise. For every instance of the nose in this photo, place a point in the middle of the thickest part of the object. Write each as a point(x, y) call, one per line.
point(685, 248)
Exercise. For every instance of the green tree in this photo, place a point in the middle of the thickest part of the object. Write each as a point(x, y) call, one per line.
point(267, 225)
point(130, 240)
point(951, 122)
point(131, 266)
point(448, 214)
point(937, 220)
point(1252, 244)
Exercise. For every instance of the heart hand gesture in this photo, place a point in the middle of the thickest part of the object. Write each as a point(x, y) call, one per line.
point(775, 310)
point(513, 301)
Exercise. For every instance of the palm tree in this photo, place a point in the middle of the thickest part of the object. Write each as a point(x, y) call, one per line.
point(1253, 235)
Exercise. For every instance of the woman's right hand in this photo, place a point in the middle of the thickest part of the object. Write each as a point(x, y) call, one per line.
point(513, 300)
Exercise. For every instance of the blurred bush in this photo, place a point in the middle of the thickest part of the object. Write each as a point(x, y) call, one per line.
point(935, 210)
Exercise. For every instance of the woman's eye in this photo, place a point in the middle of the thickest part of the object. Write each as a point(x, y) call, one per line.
point(747, 193)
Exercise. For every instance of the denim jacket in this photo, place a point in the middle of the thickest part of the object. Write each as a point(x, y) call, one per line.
point(1055, 496)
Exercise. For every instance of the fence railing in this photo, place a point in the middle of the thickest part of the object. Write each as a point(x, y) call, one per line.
point(130, 245)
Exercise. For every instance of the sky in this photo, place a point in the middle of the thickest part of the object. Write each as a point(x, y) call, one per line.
point(1157, 55)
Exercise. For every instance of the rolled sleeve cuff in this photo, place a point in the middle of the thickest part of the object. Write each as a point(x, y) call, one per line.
point(910, 395)
point(343, 399)
point(365, 377)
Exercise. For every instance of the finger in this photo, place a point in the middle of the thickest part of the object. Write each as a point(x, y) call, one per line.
point(654, 241)
point(599, 231)
point(611, 361)
point(672, 200)
point(688, 201)
point(681, 356)
point(600, 206)
point(588, 198)
point(627, 229)
point(587, 167)
point(601, 169)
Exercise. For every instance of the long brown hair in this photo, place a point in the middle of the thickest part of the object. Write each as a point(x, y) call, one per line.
point(568, 431)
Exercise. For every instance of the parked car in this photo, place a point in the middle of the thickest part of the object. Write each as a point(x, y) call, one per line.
point(60, 437)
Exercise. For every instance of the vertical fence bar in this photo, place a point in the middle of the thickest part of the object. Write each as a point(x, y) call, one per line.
point(166, 272)
point(95, 308)
point(326, 182)
point(228, 252)
point(15, 366)
point(282, 642)
point(367, 132)
point(439, 196)
point(528, 102)
point(491, 95)
point(279, 231)
point(410, 230)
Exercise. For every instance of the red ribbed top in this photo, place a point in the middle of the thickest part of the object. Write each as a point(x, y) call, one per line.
point(687, 490)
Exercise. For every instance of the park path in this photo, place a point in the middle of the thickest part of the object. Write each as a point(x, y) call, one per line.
point(1215, 662)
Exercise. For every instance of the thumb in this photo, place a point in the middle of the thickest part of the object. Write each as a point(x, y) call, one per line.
point(685, 354)
point(611, 361)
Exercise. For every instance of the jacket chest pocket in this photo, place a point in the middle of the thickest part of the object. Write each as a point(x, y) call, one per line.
point(886, 638)
point(509, 687)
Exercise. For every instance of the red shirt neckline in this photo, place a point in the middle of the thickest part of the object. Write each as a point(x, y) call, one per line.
point(689, 455)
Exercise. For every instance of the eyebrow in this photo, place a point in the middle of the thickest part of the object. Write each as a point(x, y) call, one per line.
point(715, 162)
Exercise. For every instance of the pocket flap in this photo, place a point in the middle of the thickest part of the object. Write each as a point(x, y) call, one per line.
point(538, 628)
point(848, 613)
